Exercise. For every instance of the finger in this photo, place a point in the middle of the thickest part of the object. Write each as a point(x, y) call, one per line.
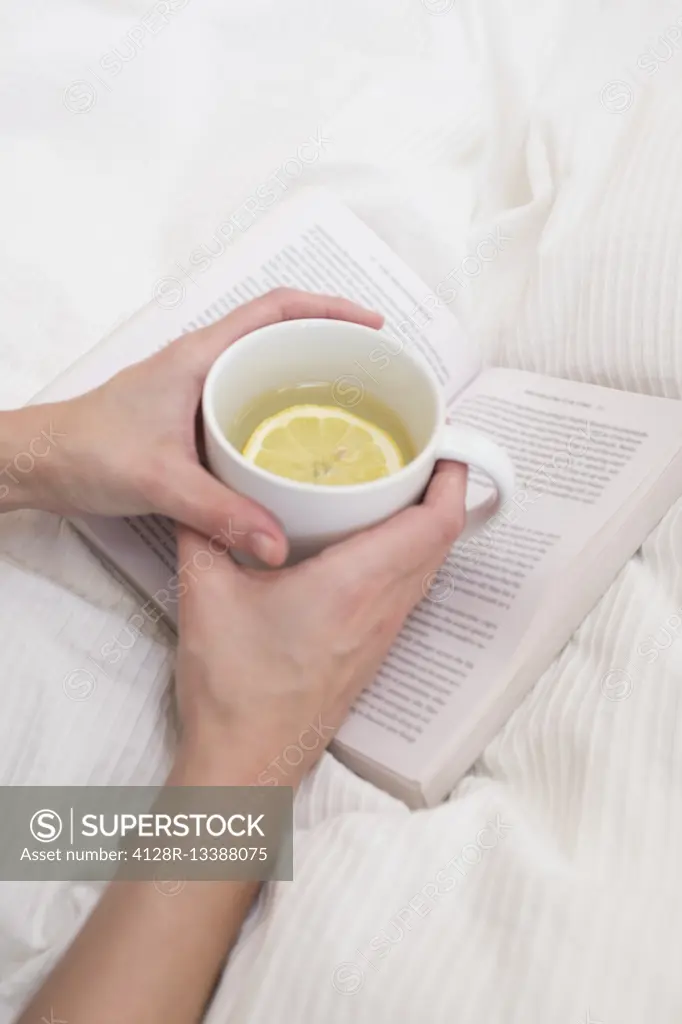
point(198, 555)
point(190, 544)
point(416, 538)
point(447, 475)
point(229, 520)
point(275, 306)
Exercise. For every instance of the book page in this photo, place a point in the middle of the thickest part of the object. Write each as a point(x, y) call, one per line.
point(312, 242)
point(581, 453)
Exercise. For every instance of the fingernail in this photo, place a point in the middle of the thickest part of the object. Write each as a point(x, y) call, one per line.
point(263, 547)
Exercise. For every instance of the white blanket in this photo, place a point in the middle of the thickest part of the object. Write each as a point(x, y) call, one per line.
point(558, 122)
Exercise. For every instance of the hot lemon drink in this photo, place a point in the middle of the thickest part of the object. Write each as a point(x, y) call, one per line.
point(304, 433)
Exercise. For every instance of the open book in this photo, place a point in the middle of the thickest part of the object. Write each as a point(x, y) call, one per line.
point(597, 469)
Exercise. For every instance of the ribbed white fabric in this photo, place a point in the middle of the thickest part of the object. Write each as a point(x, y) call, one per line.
point(539, 120)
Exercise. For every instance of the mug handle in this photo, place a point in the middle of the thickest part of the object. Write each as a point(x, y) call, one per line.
point(462, 444)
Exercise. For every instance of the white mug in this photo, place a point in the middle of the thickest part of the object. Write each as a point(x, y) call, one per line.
point(344, 354)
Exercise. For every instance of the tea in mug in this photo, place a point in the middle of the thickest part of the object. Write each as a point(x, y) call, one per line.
point(306, 432)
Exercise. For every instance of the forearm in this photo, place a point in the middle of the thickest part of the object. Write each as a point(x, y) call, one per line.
point(29, 439)
point(146, 957)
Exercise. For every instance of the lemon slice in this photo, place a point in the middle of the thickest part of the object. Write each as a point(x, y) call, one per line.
point(321, 444)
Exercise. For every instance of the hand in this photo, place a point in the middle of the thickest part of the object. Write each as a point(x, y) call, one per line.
point(267, 662)
point(129, 447)
point(270, 660)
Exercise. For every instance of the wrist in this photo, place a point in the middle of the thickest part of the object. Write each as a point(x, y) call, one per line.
point(193, 766)
point(234, 761)
point(28, 439)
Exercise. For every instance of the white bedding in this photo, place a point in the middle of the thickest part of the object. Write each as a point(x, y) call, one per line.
point(555, 122)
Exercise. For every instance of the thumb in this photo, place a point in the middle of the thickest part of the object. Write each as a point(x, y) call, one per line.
point(210, 508)
point(418, 537)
